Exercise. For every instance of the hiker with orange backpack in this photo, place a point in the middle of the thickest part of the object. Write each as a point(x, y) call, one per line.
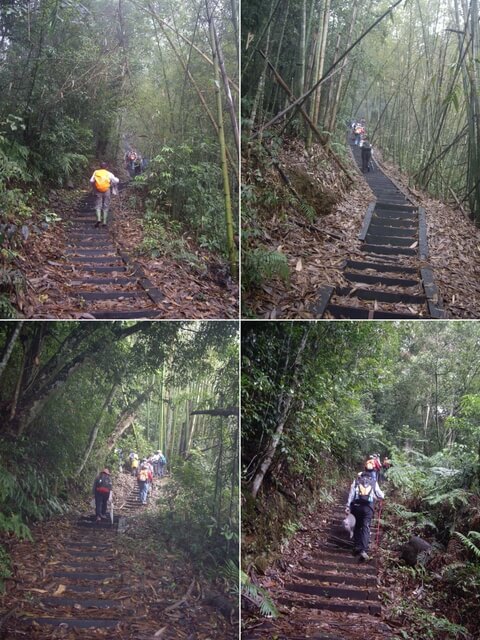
point(144, 478)
point(103, 181)
point(360, 503)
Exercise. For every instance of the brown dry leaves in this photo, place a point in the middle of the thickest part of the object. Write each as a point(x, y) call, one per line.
point(320, 247)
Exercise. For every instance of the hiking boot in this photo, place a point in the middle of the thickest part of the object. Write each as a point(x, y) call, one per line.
point(355, 552)
point(363, 556)
point(97, 224)
point(104, 224)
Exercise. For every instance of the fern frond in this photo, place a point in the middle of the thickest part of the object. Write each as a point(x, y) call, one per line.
point(308, 211)
point(258, 596)
point(469, 544)
point(261, 265)
point(452, 498)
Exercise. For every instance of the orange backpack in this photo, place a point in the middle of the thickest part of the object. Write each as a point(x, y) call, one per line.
point(143, 475)
point(102, 180)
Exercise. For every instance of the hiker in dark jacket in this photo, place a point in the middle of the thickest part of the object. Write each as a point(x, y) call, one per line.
point(366, 154)
point(101, 490)
point(360, 503)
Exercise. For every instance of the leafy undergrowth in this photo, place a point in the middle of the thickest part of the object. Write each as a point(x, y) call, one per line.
point(294, 245)
point(434, 600)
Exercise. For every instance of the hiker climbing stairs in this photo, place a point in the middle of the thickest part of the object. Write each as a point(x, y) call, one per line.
point(104, 280)
point(392, 278)
point(327, 594)
point(91, 588)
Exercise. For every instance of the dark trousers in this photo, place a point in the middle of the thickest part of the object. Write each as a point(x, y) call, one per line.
point(361, 534)
point(101, 500)
point(366, 155)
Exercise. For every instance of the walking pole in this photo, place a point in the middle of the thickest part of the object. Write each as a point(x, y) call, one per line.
point(378, 526)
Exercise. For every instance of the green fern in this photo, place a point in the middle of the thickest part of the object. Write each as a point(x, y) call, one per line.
point(468, 542)
point(230, 573)
point(5, 567)
point(258, 596)
point(420, 517)
point(308, 211)
point(261, 265)
point(452, 498)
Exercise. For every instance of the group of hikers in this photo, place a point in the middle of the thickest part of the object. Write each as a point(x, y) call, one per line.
point(157, 462)
point(134, 163)
point(364, 491)
point(104, 184)
point(144, 470)
point(359, 135)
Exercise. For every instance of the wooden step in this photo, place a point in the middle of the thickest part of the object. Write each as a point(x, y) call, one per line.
point(367, 607)
point(381, 266)
point(333, 592)
point(360, 313)
point(380, 295)
point(379, 279)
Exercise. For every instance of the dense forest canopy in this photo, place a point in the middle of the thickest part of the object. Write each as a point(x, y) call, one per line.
point(74, 394)
point(409, 68)
point(319, 398)
point(346, 388)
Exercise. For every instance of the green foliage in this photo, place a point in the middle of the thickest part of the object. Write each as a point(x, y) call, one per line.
point(186, 514)
point(420, 519)
point(26, 497)
point(183, 190)
point(163, 237)
point(7, 310)
point(469, 542)
point(260, 266)
point(425, 624)
point(258, 596)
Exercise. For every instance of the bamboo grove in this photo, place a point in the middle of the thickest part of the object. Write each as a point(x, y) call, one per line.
point(73, 394)
point(409, 67)
point(85, 81)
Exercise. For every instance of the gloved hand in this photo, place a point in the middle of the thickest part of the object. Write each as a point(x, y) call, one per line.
point(347, 510)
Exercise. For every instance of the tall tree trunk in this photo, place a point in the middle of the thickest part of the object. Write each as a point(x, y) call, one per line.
point(127, 417)
point(283, 409)
point(9, 346)
point(231, 250)
point(95, 428)
point(324, 13)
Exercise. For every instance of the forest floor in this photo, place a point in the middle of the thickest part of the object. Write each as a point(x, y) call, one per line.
point(96, 583)
point(192, 282)
point(316, 248)
point(384, 599)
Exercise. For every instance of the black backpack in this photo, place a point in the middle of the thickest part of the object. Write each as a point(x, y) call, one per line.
point(105, 481)
point(365, 489)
